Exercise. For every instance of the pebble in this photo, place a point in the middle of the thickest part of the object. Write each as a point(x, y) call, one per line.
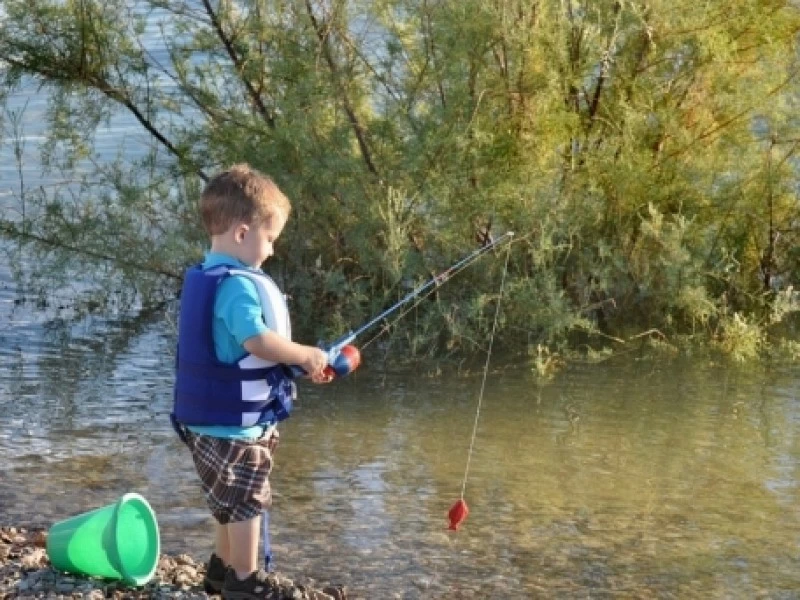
point(25, 573)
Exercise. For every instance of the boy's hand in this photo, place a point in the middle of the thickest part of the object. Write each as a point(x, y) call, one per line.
point(315, 362)
point(271, 346)
point(322, 377)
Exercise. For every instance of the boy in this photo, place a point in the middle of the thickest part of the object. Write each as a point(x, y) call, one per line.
point(232, 385)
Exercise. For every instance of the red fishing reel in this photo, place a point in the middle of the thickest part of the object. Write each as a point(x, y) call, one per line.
point(347, 361)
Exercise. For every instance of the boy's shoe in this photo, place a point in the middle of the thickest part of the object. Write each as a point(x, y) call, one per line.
point(258, 586)
point(215, 575)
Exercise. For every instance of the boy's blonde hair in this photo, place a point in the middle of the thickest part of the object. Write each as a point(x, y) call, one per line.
point(240, 194)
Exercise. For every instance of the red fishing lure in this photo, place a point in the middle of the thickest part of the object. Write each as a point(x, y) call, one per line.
point(458, 512)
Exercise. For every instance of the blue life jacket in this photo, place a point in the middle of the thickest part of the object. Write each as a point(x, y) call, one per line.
point(250, 392)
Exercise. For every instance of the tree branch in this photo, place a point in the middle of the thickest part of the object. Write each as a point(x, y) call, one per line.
point(358, 129)
point(61, 73)
point(238, 63)
point(605, 67)
point(737, 117)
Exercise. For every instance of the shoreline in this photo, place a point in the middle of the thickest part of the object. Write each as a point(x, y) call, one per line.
point(25, 572)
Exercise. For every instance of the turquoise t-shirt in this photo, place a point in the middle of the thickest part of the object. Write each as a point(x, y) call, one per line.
point(237, 316)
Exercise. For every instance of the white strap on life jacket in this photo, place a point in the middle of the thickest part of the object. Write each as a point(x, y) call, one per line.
point(276, 317)
point(273, 302)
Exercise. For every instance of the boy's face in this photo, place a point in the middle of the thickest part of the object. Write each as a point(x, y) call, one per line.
point(255, 242)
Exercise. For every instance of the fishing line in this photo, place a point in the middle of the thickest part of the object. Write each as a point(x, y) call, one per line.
point(459, 511)
point(485, 373)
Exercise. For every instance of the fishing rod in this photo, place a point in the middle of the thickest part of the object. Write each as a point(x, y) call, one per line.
point(344, 358)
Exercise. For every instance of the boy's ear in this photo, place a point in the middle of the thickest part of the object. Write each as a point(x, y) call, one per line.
point(240, 231)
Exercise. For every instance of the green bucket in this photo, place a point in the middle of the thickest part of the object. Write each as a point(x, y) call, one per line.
point(118, 541)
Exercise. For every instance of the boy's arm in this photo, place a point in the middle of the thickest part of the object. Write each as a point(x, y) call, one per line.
point(239, 307)
point(271, 346)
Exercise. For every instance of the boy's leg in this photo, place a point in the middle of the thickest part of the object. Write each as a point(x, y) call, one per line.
point(235, 479)
point(243, 539)
point(222, 542)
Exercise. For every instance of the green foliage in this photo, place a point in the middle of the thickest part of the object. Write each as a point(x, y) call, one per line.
point(643, 152)
point(740, 337)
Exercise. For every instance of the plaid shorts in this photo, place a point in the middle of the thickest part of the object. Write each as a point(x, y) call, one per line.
point(234, 474)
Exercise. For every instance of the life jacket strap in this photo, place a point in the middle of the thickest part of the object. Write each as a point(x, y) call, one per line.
point(281, 405)
point(179, 429)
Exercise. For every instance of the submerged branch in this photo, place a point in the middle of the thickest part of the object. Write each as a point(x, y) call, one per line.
point(8, 229)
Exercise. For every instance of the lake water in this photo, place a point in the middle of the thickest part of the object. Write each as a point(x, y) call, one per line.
point(636, 478)
point(630, 479)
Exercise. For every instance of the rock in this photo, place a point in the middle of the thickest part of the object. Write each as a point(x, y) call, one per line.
point(336, 592)
point(422, 583)
point(185, 576)
point(165, 563)
point(35, 559)
point(64, 587)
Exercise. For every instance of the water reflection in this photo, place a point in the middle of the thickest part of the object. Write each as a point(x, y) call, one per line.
point(636, 480)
